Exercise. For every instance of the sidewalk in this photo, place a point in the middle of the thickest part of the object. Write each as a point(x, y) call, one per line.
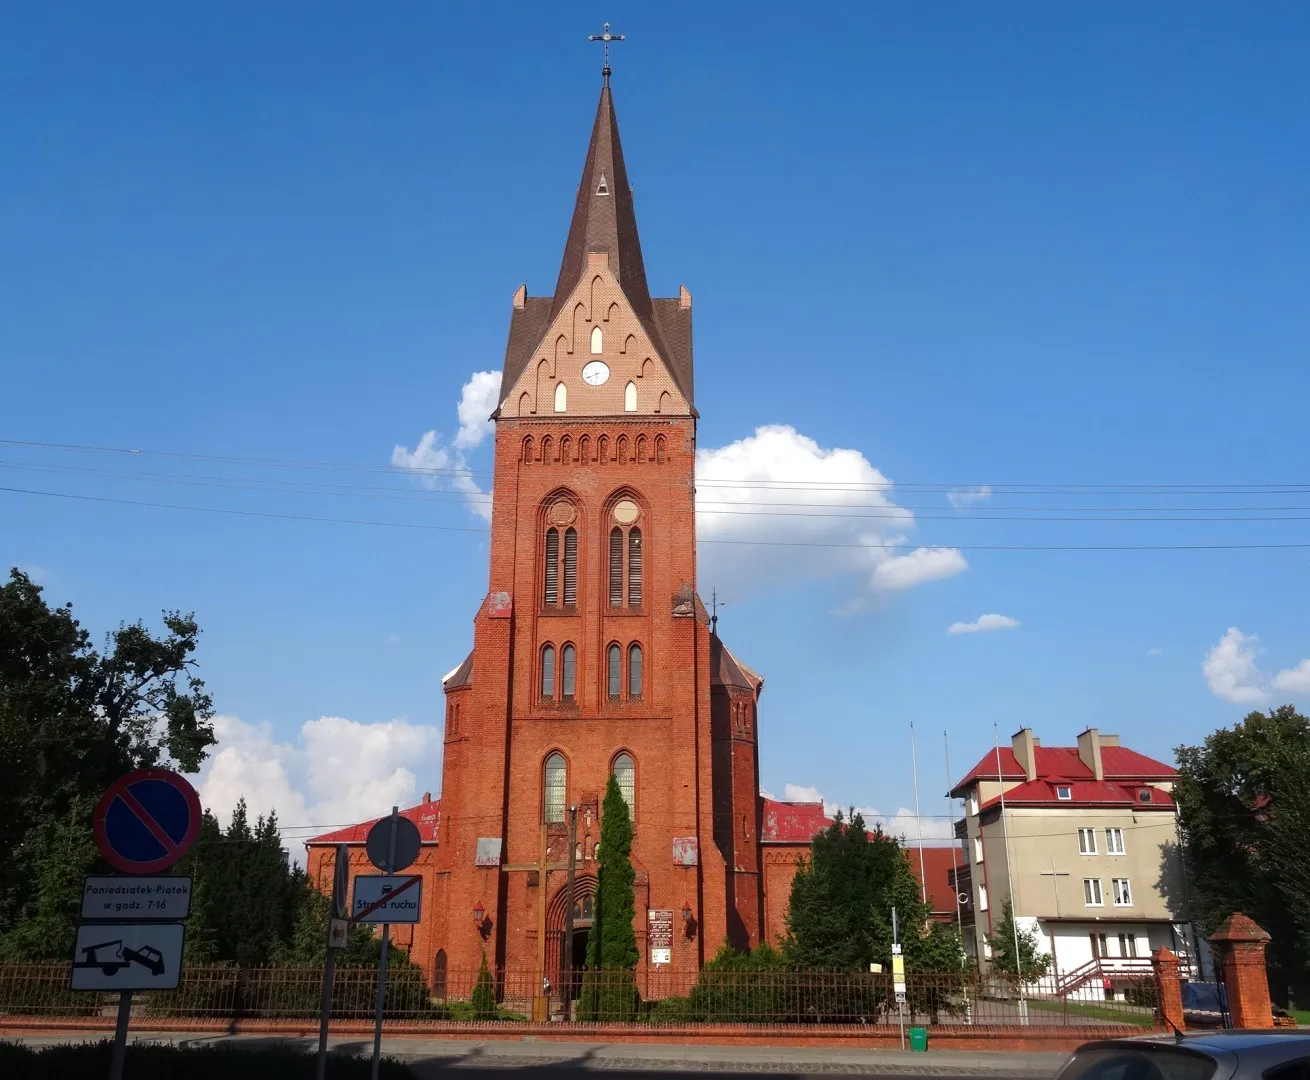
point(432, 1055)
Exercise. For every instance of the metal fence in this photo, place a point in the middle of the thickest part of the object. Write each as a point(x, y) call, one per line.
point(657, 997)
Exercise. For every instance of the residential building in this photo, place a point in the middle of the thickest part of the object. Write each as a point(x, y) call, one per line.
point(1083, 841)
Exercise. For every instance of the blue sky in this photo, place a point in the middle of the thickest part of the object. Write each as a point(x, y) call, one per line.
point(973, 245)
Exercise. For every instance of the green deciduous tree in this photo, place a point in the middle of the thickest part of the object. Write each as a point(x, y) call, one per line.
point(72, 719)
point(1244, 815)
point(1031, 960)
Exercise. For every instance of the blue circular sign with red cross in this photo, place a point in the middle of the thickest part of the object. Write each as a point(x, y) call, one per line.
point(147, 820)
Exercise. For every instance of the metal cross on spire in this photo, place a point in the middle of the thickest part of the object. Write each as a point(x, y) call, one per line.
point(606, 38)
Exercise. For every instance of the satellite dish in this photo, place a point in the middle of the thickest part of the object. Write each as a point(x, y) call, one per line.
point(962, 897)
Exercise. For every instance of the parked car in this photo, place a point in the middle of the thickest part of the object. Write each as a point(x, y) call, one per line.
point(1220, 1055)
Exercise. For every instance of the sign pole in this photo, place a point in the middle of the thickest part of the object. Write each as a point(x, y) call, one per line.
point(898, 978)
point(120, 1035)
point(390, 868)
point(340, 877)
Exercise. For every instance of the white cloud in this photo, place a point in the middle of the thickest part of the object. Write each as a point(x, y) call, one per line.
point(337, 772)
point(1295, 680)
point(1231, 670)
point(477, 401)
point(438, 468)
point(777, 491)
point(1233, 673)
point(983, 624)
point(902, 823)
point(961, 497)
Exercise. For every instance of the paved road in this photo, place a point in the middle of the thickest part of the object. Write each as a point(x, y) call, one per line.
point(444, 1059)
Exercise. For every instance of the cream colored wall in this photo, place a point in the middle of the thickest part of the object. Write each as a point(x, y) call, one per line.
point(566, 349)
point(1039, 837)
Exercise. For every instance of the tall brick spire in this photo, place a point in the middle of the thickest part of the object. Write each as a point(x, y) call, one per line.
point(604, 219)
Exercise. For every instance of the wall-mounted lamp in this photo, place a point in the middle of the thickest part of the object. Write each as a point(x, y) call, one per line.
point(688, 920)
point(480, 919)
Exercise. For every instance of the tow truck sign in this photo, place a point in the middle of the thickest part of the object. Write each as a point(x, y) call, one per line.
point(127, 956)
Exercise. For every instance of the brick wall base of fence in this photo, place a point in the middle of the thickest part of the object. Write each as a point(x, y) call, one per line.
point(990, 1037)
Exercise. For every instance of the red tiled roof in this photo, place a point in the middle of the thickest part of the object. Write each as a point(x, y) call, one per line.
point(792, 822)
point(427, 816)
point(1063, 763)
point(938, 865)
point(1083, 793)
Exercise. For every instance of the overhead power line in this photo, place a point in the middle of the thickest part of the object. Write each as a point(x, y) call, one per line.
point(743, 543)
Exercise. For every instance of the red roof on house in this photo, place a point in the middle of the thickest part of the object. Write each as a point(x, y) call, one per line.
point(1063, 763)
point(427, 816)
point(1085, 793)
point(937, 866)
point(792, 822)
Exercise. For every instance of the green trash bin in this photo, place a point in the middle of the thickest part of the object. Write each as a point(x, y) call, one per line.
point(918, 1039)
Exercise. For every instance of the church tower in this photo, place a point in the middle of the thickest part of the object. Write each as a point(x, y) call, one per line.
point(593, 654)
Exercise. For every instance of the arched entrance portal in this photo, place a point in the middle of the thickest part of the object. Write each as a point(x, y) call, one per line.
point(584, 912)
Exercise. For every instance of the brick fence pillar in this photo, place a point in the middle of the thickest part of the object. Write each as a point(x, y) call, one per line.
point(1241, 943)
point(1168, 992)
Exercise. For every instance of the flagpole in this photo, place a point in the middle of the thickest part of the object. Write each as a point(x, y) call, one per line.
point(955, 846)
point(918, 821)
point(1009, 877)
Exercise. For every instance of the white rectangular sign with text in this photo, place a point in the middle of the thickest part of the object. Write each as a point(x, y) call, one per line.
point(121, 897)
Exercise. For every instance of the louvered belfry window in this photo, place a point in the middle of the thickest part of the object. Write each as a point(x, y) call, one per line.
point(552, 566)
point(634, 568)
point(571, 566)
point(616, 567)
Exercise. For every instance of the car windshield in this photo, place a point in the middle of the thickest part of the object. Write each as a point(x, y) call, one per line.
point(1139, 1063)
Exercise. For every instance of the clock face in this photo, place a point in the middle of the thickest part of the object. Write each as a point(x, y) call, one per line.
point(595, 373)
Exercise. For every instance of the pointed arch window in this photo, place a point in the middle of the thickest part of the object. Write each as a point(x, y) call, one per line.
point(625, 775)
point(547, 672)
point(561, 397)
point(614, 664)
point(634, 671)
point(630, 397)
point(568, 671)
point(570, 566)
point(556, 785)
point(597, 341)
point(634, 567)
point(551, 591)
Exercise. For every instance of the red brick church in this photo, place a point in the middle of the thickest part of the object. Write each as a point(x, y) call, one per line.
point(592, 651)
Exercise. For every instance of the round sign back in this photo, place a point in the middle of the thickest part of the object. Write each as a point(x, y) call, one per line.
point(407, 842)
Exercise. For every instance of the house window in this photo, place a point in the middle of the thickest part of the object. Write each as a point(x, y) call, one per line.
point(982, 897)
point(1123, 895)
point(614, 661)
point(561, 397)
point(552, 567)
point(973, 802)
point(571, 566)
point(557, 782)
point(1144, 795)
point(1092, 892)
point(597, 341)
point(1086, 841)
point(1099, 947)
point(634, 671)
point(547, 672)
point(634, 568)
point(1064, 792)
point(1114, 841)
point(977, 849)
point(1128, 945)
point(630, 397)
point(568, 667)
point(625, 775)
point(987, 949)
